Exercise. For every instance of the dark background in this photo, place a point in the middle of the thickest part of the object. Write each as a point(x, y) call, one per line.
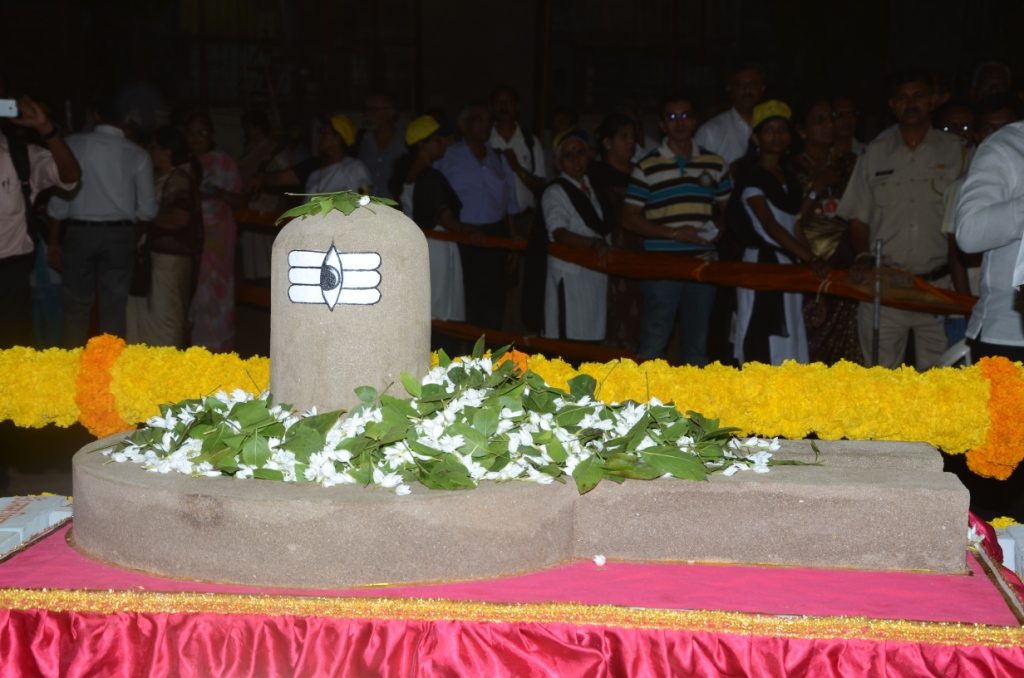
point(304, 57)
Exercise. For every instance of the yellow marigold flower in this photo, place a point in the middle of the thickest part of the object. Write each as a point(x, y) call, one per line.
point(37, 388)
point(146, 377)
point(1002, 522)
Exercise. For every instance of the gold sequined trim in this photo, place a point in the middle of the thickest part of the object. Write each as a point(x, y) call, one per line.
point(417, 609)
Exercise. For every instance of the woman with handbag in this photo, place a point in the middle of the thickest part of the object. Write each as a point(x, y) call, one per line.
point(823, 172)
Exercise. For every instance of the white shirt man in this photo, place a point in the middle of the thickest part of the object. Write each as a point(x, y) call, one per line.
point(990, 219)
point(116, 193)
point(530, 155)
point(726, 135)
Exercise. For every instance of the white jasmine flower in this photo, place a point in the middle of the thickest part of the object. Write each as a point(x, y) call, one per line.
point(396, 455)
point(450, 443)
point(512, 470)
point(471, 397)
point(206, 469)
point(162, 421)
point(244, 472)
point(600, 560)
point(402, 490)
point(760, 461)
point(433, 428)
point(438, 376)
point(320, 467)
point(387, 480)
point(974, 538)
point(629, 415)
point(333, 437)
point(646, 443)
point(476, 469)
point(733, 469)
point(538, 477)
point(519, 438)
point(364, 201)
point(594, 420)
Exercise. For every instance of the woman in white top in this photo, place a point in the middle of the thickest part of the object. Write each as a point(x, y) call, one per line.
point(770, 325)
point(339, 172)
point(575, 302)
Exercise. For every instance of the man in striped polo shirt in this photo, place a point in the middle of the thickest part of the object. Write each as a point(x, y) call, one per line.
point(675, 195)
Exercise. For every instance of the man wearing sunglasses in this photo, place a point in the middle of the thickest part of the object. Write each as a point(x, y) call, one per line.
point(674, 196)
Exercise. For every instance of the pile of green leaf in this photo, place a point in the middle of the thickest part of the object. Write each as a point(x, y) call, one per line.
point(466, 421)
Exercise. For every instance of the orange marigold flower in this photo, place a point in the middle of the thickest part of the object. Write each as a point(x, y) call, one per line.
point(1003, 448)
point(96, 404)
point(518, 358)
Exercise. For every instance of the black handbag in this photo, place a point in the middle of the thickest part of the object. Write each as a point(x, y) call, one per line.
point(142, 271)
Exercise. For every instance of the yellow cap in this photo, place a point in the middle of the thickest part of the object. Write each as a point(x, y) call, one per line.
point(773, 108)
point(420, 128)
point(343, 126)
point(571, 133)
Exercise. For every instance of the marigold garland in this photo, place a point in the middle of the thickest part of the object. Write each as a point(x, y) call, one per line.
point(97, 406)
point(793, 400)
point(979, 408)
point(1003, 448)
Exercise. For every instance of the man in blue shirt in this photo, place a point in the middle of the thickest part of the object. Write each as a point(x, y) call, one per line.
point(486, 187)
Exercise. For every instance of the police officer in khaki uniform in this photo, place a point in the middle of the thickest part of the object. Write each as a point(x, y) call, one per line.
point(896, 195)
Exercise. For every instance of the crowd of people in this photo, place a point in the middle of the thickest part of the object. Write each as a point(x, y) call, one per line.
point(138, 224)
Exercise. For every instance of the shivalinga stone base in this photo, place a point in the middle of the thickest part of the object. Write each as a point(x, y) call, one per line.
point(872, 505)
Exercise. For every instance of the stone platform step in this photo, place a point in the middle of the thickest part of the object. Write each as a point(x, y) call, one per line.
point(864, 454)
point(821, 516)
point(855, 511)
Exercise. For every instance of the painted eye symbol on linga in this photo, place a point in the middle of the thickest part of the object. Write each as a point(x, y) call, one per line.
point(333, 278)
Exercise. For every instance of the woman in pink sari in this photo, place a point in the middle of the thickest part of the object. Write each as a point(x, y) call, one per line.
point(213, 307)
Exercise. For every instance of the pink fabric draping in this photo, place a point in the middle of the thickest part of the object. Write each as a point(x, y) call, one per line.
point(969, 598)
point(990, 543)
point(42, 643)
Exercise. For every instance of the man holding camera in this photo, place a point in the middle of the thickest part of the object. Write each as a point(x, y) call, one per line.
point(26, 170)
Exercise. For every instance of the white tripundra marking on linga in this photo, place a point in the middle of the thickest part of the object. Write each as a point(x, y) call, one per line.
point(333, 278)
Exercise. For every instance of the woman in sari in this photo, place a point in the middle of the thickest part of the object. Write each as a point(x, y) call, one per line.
point(174, 240)
point(823, 172)
point(213, 307)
